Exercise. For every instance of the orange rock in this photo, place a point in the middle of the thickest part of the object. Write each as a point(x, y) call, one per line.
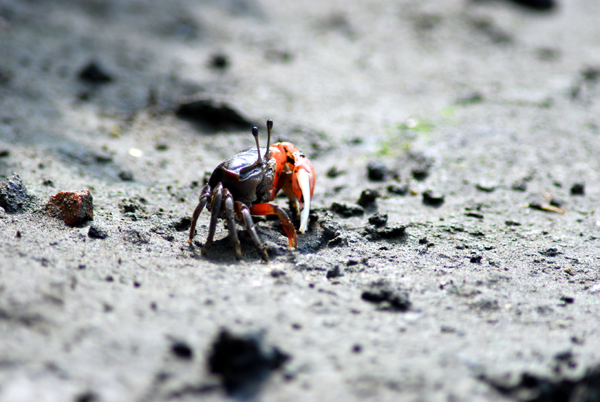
point(73, 207)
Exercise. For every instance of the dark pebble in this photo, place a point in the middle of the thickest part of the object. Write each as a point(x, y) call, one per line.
point(94, 74)
point(378, 220)
point(470, 98)
point(87, 396)
point(538, 5)
point(423, 240)
point(474, 215)
point(4, 153)
point(356, 348)
point(387, 298)
point(420, 173)
point(182, 350)
point(377, 171)
point(486, 187)
point(519, 185)
point(347, 210)
point(550, 252)
point(578, 189)
point(216, 113)
point(476, 259)
point(431, 199)
point(13, 194)
point(219, 61)
point(334, 172)
point(126, 175)
point(97, 232)
point(368, 198)
point(334, 272)
point(567, 300)
point(512, 223)
point(591, 74)
point(400, 190)
point(243, 363)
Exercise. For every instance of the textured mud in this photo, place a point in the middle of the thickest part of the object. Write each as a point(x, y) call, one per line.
point(452, 252)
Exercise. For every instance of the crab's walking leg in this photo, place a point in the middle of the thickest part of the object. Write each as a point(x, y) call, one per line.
point(229, 214)
point(204, 196)
point(270, 209)
point(215, 208)
point(243, 210)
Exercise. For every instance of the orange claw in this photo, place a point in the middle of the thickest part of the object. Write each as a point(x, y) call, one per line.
point(296, 176)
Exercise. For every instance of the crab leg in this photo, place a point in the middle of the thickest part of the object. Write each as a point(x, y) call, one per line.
point(215, 207)
point(270, 209)
point(204, 196)
point(243, 210)
point(229, 214)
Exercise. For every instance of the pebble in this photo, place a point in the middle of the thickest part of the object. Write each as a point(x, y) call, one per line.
point(13, 194)
point(377, 170)
point(432, 199)
point(578, 189)
point(75, 208)
point(368, 198)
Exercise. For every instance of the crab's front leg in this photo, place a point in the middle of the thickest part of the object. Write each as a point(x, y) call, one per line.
point(204, 196)
point(243, 213)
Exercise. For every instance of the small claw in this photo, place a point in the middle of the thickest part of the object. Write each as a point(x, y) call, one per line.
point(303, 178)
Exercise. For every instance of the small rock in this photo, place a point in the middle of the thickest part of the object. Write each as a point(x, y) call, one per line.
point(4, 153)
point(400, 190)
point(182, 350)
point(378, 220)
point(219, 61)
point(347, 210)
point(13, 194)
point(94, 74)
point(217, 113)
point(550, 252)
point(476, 259)
point(578, 189)
point(368, 198)
point(486, 187)
point(421, 172)
point(126, 175)
point(538, 5)
point(387, 298)
point(243, 363)
point(97, 232)
point(334, 272)
point(512, 223)
point(566, 300)
point(431, 199)
point(470, 98)
point(392, 232)
point(377, 170)
point(334, 172)
point(136, 237)
point(423, 240)
point(75, 208)
point(519, 185)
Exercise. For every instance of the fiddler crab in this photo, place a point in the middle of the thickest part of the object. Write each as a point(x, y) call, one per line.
point(244, 185)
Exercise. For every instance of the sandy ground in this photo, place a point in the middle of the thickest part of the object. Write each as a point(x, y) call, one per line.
point(492, 106)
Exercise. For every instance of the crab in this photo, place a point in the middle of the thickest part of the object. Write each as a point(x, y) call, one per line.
point(246, 183)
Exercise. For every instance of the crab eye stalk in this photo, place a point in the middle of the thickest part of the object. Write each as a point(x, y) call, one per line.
point(269, 128)
point(255, 134)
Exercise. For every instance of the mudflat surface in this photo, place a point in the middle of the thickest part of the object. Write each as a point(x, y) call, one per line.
point(487, 290)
